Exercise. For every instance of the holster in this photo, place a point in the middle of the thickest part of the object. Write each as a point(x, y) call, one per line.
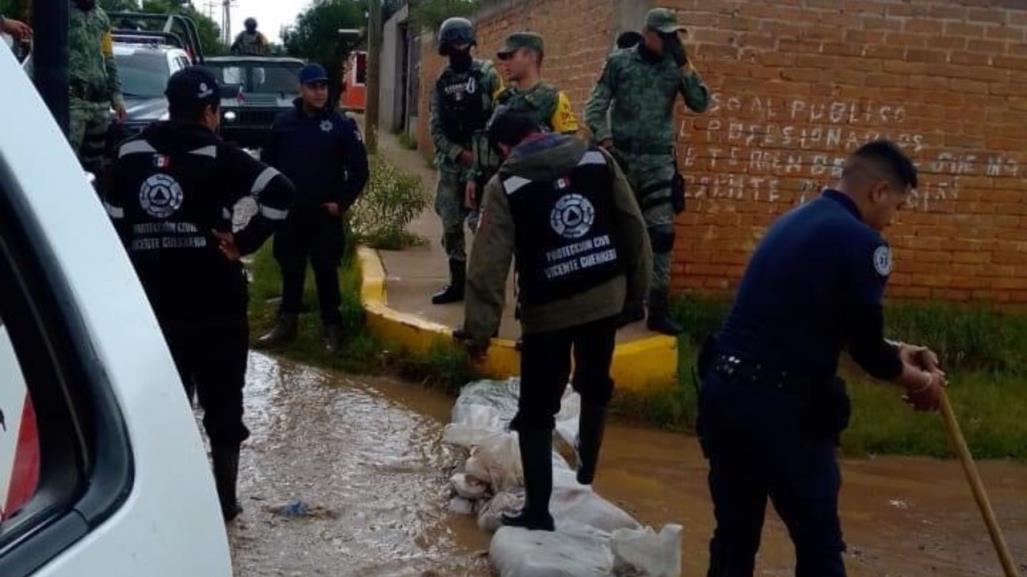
point(677, 188)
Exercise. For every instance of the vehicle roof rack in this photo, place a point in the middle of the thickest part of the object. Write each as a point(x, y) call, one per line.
point(149, 38)
point(176, 29)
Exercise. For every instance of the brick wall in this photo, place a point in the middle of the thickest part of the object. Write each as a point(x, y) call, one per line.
point(797, 84)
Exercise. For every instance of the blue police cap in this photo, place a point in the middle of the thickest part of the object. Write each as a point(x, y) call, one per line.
point(312, 73)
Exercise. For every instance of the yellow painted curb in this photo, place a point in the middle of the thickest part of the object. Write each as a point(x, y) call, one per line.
point(647, 363)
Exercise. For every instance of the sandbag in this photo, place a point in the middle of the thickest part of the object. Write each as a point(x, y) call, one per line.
point(572, 551)
point(593, 537)
point(643, 553)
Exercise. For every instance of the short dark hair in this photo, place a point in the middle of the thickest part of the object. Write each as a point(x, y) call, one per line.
point(510, 127)
point(887, 158)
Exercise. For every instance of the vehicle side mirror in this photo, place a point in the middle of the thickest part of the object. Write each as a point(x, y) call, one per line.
point(230, 91)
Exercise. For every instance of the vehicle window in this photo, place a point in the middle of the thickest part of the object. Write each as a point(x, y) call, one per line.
point(19, 437)
point(143, 74)
point(229, 74)
point(57, 481)
point(275, 79)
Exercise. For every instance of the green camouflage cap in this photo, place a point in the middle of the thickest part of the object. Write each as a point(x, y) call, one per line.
point(663, 20)
point(515, 42)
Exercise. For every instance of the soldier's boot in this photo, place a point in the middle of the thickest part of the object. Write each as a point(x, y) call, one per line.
point(454, 291)
point(591, 427)
point(660, 320)
point(226, 475)
point(333, 338)
point(537, 458)
point(283, 332)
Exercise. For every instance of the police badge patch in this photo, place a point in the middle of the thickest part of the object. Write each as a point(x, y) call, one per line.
point(882, 260)
point(160, 196)
point(326, 126)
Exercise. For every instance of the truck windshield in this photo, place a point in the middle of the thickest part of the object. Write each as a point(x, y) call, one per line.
point(143, 74)
point(259, 77)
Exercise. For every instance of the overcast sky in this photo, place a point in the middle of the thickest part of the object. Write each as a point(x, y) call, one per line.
point(271, 15)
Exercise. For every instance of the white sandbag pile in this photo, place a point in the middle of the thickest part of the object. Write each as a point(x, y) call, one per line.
point(593, 538)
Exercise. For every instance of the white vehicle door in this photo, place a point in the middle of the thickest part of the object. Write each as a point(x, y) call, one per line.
point(102, 469)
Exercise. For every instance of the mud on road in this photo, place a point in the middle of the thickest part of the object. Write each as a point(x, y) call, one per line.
point(367, 453)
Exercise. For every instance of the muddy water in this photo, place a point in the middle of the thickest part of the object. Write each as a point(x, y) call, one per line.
point(368, 450)
point(376, 467)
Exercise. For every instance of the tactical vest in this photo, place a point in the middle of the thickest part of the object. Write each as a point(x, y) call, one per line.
point(540, 103)
point(252, 44)
point(464, 111)
point(564, 241)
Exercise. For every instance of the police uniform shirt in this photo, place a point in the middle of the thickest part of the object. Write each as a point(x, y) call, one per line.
point(815, 284)
point(173, 186)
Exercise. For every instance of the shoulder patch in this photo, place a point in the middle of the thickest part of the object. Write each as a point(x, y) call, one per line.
point(564, 121)
point(883, 260)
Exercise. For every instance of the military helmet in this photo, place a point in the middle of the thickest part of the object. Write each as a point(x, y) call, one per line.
point(454, 32)
point(250, 24)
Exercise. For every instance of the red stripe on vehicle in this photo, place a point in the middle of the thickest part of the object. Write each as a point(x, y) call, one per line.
point(25, 475)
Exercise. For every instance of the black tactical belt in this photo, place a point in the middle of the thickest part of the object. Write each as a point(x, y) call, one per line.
point(745, 372)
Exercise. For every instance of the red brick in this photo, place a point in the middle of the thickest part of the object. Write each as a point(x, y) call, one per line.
point(923, 26)
point(964, 29)
point(988, 15)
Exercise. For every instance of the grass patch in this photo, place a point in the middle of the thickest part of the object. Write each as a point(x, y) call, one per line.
point(445, 366)
point(982, 348)
point(407, 141)
point(359, 353)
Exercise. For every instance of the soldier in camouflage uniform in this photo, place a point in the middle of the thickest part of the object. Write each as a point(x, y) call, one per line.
point(522, 55)
point(93, 81)
point(461, 104)
point(250, 42)
point(631, 113)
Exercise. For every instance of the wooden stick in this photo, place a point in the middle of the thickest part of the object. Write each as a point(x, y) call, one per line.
point(977, 486)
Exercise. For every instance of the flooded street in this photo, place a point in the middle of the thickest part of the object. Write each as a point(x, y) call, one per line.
point(366, 454)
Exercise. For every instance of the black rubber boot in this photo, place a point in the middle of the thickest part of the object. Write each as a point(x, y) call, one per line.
point(284, 331)
point(537, 459)
point(454, 291)
point(226, 474)
point(591, 426)
point(333, 338)
point(659, 315)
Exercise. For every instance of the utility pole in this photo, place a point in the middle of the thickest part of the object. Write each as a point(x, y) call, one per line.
point(374, 41)
point(226, 21)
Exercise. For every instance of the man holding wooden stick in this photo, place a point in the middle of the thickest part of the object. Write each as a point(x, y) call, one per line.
point(771, 407)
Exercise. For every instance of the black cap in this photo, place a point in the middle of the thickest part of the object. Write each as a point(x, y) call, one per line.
point(510, 126)
point(192, 88)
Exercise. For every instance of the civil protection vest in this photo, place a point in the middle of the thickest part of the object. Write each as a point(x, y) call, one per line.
point(564, 241)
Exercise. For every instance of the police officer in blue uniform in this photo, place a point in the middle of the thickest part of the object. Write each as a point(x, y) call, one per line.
point(173, 191)
point(322, 152)
point(771, 405)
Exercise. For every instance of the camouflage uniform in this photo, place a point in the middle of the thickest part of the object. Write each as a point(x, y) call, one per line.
point(250, 44)
point(639, 97)
point(453, 178)
point(94, 83)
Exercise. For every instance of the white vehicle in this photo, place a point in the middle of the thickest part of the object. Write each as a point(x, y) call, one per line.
point(102, 470)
